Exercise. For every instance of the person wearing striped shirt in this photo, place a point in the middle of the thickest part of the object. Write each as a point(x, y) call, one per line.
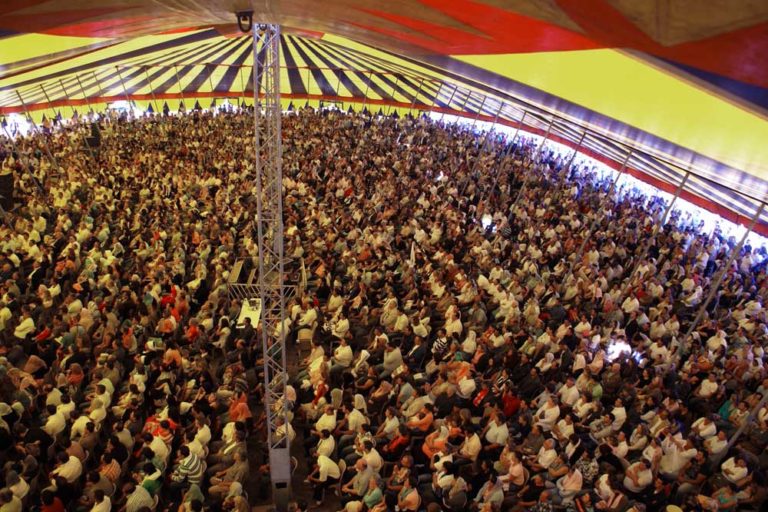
point(190, 468)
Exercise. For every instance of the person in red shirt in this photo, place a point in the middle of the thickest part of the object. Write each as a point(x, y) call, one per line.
point(423, 419)
point(510, 402)
point(193, 331)
point(393, 450)
point(51, 502)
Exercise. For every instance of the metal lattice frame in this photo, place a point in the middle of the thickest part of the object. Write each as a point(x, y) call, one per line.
point(269, 207)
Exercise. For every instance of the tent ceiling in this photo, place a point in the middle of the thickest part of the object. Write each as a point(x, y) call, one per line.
point(725, 37)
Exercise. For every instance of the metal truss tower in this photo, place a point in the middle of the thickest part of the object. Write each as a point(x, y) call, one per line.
point(271, 289)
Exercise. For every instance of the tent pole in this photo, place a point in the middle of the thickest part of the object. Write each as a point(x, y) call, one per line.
point(178, 83)
point(82, 90)
point(66, 95)
point(415, 96)
point(534, 162)
point(122, 82)
point(47, 98)
point(210, 80)
point(741, 429)
point(448, 105)
point(242, 84)
point(480, 111)
point(502, 167)
point(367, 88)
point(85, 139)
point(338, 85)
point(35, 127)
point(567, 168)
point(438, 87)
point(28, 165)
point(483, 147)
point(715, 286)
point(151, 89)
point(656, 228)
point(394, 87)
point(595, 222)
point(97, 82)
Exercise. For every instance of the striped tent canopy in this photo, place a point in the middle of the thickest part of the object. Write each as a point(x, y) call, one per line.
point(207, 66)
point(680, 84)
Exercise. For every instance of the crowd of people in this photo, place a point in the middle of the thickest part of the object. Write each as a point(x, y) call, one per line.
point(483, 326)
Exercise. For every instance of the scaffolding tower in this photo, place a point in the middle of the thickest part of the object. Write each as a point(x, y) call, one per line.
point(266, 282)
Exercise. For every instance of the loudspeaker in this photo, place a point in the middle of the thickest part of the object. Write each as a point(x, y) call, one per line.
point(6, 191)
point(94, 141)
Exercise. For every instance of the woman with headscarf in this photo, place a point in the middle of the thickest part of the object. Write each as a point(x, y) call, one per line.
point(546, 363)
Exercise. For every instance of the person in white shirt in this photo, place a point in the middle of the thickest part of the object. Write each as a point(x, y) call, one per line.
point(619, 414)
point(717, 341)
point(677, 453)
point(496, 432)
point(158, 446)
point(56, 422)
point(638, 476)
point(372, 457)
point(453, 325)
point(102, 502)
point(326, 444)
point(547, 415)
point(568, 392)
point(563, 429)
point(735, 471)
point(659, 352)
point(630, 304)
point(704, 428)
point(393, 358)
point(342, 357)
point(708, 387)
point(26, 325)
point(470, 448)
point(325, 474)
point(619, 447)
point(5, 315)
point(716, 445)
point(567, 486)
point(340, 327)
point(203, 434)
point(69, 467)
point(308, 316)
point(282, 428)
point(545, 457)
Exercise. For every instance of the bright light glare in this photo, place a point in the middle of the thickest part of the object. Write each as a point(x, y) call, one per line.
point(126, 106)
point(616, 348)
point(18, 125)
point(486, 220)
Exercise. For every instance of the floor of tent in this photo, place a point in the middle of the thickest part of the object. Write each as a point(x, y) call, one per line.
point(300, 490)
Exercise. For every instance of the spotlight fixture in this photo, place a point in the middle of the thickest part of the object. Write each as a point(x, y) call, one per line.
point(244, 21)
